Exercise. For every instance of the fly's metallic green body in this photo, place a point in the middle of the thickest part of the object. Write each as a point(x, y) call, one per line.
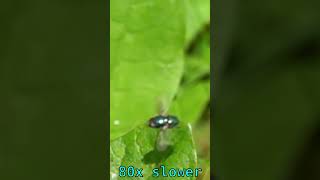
point(163, 122)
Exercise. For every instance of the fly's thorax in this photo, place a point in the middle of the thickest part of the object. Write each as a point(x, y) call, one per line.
point(158, 121)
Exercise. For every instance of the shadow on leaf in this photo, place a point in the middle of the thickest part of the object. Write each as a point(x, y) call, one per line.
point(155, 156)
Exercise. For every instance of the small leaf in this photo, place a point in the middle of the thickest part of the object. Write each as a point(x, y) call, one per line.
point(191, 101)
point(194, 93)
point(138, 149)
point(197, 61)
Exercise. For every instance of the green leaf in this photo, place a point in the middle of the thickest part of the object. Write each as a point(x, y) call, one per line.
point(198, 15)
point(195, 69)
point(138, 149)
point(197, 63)
point(191, 101)
point(194, 93)
point(146, 49)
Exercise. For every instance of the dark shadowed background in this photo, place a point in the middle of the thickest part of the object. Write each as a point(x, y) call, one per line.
point(267, 68)
point(53, 74)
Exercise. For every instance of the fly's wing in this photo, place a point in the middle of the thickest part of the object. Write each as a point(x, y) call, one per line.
point(162, 106)
point(163, 140)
